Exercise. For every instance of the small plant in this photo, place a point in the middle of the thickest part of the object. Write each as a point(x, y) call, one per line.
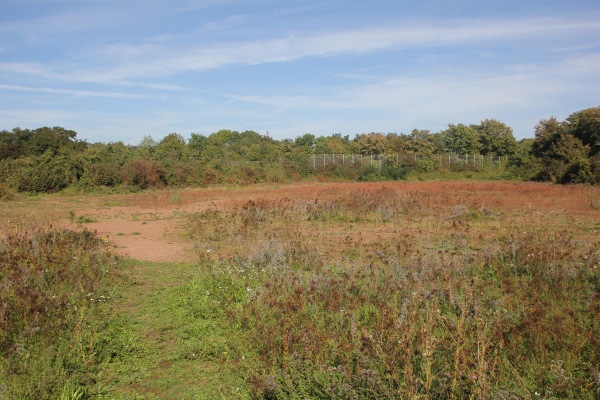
point(85, 219)
point(6, 193)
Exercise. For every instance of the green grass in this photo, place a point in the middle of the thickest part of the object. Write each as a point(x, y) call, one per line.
point(183, 345)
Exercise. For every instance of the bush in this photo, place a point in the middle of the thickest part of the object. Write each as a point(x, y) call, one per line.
point(43, 174)
point(6, 193)
point(50, 279)
point(578, 172)
point(388, 171)
point(143, 174)
point(100, 174)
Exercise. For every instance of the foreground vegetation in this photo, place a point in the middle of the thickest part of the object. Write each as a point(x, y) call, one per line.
point(472, 309)
point(373, 292)
point(55, 283)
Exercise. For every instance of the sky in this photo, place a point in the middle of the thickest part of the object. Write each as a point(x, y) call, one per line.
point(118, 70)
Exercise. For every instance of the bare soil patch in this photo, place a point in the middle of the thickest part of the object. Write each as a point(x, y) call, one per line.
point(149, 226)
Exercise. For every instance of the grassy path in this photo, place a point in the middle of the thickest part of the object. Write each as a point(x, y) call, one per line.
point(170, 339)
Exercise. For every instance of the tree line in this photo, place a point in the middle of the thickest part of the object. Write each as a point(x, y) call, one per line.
point(46, 160)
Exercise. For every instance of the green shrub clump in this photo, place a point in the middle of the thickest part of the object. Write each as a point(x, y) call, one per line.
point(53, 285)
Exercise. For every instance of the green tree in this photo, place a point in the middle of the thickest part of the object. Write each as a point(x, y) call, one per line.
point(146, 147)
point(13, 143)
point(421, 141)
point(306, 143)
point(196, 145)
point(547, 132)
point(171, 148)
point(559, 151)
point(53, 140)
point(495, 138)
point(396, 143)
point(102, 164)
point(47, 173)
point(372, 143)
point(460, 139)
point(585, 126)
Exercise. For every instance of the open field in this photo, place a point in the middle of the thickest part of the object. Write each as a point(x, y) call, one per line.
point(334, 290)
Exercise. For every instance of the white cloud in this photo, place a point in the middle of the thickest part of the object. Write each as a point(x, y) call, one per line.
point(293, 47)
point(127, 62)
point(69, 92)
point(405, 102)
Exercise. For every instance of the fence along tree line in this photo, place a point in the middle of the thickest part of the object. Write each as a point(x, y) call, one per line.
point(377, 160)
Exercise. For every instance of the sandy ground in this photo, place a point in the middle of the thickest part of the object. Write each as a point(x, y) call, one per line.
point(150, 226)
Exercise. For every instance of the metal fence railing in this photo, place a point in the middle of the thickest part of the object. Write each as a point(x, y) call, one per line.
point(318, 160)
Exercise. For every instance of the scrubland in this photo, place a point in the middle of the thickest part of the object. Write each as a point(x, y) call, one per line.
point(340, 291)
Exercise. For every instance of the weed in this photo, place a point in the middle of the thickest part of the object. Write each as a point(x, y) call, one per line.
point(46, 337)
point(85, 219)
point(6, 193)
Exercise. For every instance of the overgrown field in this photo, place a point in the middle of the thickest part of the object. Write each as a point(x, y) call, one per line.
point(482, 290)
point(384, 294)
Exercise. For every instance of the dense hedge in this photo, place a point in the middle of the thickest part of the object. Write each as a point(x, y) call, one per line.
point(48, 160)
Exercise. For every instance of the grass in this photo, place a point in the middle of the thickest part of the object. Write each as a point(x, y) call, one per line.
point(183, 345)
point(427, 291)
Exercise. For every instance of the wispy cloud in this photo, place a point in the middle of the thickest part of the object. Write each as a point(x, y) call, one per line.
point(126, 62)
point(69, 92)
point(113, 67)
point(404, 102)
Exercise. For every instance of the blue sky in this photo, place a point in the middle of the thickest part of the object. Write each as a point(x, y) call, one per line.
point(116, 70)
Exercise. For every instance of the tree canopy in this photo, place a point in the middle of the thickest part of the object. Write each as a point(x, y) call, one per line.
point(49, 159)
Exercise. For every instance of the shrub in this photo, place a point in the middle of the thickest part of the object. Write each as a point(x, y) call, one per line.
point(49, 280)
point(143, 174)
point(388, 171)
point(6, 193)
point(101, 174)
